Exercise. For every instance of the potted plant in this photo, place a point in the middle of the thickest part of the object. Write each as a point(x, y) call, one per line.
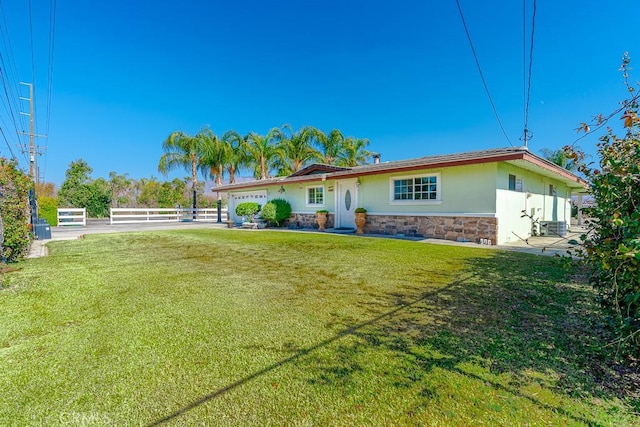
point(321, 218)
point(361, 219)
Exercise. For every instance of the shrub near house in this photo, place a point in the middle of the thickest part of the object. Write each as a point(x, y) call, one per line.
point(247, 209)
point(14, 210)
point(276, 211)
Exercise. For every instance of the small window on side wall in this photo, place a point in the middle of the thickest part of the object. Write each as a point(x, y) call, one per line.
point(515, 183)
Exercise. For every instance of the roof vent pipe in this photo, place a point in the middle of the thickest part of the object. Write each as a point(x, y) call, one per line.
point(376, 158)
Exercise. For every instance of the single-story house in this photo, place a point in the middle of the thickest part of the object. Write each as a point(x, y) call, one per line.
point(466, 196)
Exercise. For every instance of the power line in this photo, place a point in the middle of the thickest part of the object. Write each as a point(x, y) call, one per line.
point(10, 70)
point(527, 100)
point(13, 156)
point(484, 83)
point(33, 58)
point(52, 31)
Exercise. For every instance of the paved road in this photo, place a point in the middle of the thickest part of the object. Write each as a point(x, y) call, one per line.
point(39, 249)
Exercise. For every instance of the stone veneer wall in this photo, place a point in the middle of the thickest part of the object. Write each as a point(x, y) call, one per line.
point(440, 227)
point(302, 220)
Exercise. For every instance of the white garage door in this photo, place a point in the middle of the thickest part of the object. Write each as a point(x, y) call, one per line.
point(260, 197)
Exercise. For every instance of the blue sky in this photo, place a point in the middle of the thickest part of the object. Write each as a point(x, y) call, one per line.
point(126, 74)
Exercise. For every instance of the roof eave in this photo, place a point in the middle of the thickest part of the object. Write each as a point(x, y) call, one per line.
point(569, 178)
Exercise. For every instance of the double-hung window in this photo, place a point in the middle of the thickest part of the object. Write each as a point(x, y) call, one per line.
point(315, 196)
point(424, 188)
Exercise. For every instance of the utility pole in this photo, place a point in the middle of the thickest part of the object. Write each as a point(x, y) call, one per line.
point(526, 137)
point(33, 149)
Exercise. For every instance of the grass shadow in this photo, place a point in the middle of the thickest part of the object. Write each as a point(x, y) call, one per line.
point(506, 321)
point(508, 314)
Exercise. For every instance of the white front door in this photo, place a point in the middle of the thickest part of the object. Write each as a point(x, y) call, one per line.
point(346, 203)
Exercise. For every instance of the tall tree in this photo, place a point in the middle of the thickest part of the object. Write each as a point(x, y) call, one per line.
point(148, 192)
point(79, 191)
point(73, 192)
point(215, 155)
point(354, 152)
point(182, 151)
point(330, 146)
point(263, 152)
point(296, 149)
point(121, 189)
point(237, 153)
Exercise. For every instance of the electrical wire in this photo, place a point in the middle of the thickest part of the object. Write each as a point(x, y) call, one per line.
point(484, 83)
point(10, 70)
point(33, 60)
point(527, 100)
point(52, 31)
point(13, 156)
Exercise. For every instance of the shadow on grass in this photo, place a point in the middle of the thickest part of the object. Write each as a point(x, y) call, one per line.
point(507, 313)
point(298, 354)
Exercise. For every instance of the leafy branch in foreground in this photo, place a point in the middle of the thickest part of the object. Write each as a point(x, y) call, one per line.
point(612, 243)
point(14, 209)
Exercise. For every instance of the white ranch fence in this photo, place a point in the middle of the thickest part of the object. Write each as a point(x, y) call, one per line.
point(72, 216)
point(138, 215)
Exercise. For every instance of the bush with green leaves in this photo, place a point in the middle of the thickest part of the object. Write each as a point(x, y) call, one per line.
point(80, 191)
point(14, 210)
point(247, 209)
point(276, 211)
point(612, 243)
point(48, 209)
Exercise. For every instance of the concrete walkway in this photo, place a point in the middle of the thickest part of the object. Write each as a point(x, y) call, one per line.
point(549, 246)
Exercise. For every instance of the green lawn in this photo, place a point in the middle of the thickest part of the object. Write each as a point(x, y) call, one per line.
point(225, 327)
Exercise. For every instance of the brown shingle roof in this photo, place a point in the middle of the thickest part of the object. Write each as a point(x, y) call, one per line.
point(510, 154)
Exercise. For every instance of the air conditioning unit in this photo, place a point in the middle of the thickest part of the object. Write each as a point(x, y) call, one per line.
point(553, 228)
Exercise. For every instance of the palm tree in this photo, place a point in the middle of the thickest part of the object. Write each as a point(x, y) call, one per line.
point(237, 154)
point(330, 146)
point(215, 155)
point(262, 151)
point(354, 152)
point(295, 150)
point(182, 151)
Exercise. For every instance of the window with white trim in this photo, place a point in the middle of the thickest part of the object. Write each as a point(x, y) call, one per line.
point(424, 188)
point(315, 196)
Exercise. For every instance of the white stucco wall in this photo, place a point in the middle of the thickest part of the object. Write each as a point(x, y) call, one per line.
point(534, 199)
point(509, 206)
